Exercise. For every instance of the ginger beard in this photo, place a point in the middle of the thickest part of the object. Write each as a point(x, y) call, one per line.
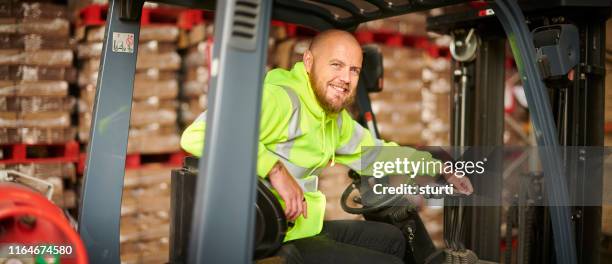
point(333, 96)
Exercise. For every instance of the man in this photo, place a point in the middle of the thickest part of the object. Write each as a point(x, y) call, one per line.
point(304, 127)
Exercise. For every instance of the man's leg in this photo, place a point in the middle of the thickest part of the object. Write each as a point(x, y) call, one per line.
point(321, 249)
point(348, 242)
point(378, 236)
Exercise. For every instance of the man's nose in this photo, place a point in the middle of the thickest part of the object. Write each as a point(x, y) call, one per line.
point(345, 76)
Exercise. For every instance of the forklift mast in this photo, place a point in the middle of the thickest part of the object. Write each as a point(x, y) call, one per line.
point(223, 219)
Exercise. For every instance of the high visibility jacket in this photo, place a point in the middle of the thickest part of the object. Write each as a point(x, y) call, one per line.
point(295, 130)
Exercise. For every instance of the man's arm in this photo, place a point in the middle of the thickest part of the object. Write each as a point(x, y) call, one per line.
point(272, 125)
point(350, 152)
point(192, 141)
point(358, 148)
point(274, 119)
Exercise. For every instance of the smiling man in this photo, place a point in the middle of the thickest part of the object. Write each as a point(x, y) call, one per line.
point(304, 127)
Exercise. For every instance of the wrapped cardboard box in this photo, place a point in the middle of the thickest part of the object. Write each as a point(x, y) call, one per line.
point(9, 104)
point(165, 33)
point(91, 78)
point(194, 88)
point(163, 125)
point(44, 119)
point(154, 144)
point(8, 136)
point(129, 206)
point(143, 90)
point(161, 89)
point(94, 49)
point(53, 27)
point(129, 230)
point(9, 120)
point(59, 58)
point(45, 170)
point(32, 104)
point(8, 25)
point(85, 104)
point(38, 88)
point(44, 135)
point(153, 129)
point(153, 103)
point(282, 55)
point(410, 24)
point(162, 61)
point(154, 74)
point(33, 42)
point(403, 134)
point(148, 175)
point(36, 73)
point(197, 34)
point(199, 55)
point(31, 9)
point(200, 74)
point(192, 108)
point(161, 117)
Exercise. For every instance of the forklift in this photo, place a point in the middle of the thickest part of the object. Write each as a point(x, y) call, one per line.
point(570, 36)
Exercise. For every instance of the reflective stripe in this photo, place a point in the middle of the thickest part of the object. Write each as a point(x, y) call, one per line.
point(296, 171)
point(351, 146)
point(284, 148)
point(202, 117)
point(302, 175)
point(367, 158)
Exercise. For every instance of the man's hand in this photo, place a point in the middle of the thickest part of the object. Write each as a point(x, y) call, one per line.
point(289, 190)
point(462, 184)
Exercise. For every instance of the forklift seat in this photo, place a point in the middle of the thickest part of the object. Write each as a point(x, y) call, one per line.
point(270, 220)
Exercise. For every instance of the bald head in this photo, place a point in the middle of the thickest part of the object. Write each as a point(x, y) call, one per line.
point(333, 63)
point(329, 37)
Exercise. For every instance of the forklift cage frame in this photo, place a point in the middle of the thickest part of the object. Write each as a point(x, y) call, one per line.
point(224, 215)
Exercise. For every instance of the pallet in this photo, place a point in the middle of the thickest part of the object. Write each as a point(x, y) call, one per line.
point(95, 15)
point(395, 39)
point(40, 153)
point(139, 160)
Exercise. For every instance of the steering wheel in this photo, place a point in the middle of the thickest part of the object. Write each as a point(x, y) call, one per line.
point(375, 202)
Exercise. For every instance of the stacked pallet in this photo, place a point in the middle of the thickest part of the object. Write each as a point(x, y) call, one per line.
point(198, 45)
point(398, 107)
point(153, 124)
point(410, 24)
point(436, 101)
point(36, 69)
point(198, 51)
point(153, 143)
point(145, 220)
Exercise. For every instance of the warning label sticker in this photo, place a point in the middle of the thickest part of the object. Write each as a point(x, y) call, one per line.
point(123, 42)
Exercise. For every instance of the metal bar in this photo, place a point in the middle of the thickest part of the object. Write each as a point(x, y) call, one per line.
point(100, 209)
point(488, 128)
point(223, 223)
point(586, 128)
point(521, 41)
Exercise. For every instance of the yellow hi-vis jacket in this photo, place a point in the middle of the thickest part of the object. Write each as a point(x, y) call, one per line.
point(296, 131)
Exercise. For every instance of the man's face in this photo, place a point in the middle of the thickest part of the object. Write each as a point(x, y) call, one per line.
point(334, 74)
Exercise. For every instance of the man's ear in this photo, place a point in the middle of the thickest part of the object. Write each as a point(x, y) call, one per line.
point(308, 60)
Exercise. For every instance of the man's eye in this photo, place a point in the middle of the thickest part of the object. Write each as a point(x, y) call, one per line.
point(335, 65)
point(356, 71)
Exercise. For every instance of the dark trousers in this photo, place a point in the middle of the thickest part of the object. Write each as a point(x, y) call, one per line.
point(348, 242)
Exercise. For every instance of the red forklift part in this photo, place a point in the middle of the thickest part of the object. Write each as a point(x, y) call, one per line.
point(28, 219)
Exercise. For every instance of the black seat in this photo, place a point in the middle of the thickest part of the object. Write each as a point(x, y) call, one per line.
point(270, 221)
